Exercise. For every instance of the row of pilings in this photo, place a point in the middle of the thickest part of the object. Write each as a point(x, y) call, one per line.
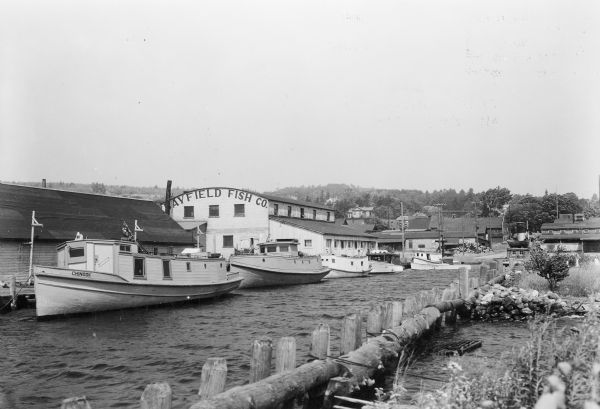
point(389, 328)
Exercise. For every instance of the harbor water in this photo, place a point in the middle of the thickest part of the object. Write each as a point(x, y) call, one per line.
point(110, 357)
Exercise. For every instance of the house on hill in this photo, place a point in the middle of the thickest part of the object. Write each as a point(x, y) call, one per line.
point(63, 214)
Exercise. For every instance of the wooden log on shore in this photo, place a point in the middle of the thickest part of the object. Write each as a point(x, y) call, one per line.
point(80, 402)
point(156, 396)
point(12, 285)
point(260, 362)
point(374, 320)
point(320, 342)
point(351, 333)
point(285, 354)
point(213, 377)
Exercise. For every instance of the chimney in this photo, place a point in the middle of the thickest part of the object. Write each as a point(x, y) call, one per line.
point(43, 182)
point(168, 198)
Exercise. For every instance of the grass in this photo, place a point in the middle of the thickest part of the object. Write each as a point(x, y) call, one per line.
point(582, 281)
point(565, 361)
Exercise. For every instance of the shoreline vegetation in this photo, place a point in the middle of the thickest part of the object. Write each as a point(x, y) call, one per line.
point(558, 367)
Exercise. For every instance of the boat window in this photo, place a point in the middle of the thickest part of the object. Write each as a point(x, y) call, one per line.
point(213, 211)
point(271, 249)
point(188, 212)
point(362, 263)
point(428, 256)
point(166, 268)
point(138, 267)
point(239, 210)
point(188, 266)
point(125, 247)
point(285, 248)
point(352, 263)
point(76, 252)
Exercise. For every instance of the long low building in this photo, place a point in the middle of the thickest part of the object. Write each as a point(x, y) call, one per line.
point(573, 233)
point(235, 219)
point(64, 214)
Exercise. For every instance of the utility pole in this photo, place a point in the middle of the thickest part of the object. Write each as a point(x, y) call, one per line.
point(402, 224)
point(476, 224)
point(440, 226)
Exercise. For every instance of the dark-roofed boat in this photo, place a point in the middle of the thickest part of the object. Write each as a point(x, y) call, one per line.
point(101, 275)
point(278, 263)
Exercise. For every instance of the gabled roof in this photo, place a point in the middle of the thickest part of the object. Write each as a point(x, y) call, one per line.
point(322, 227)
point(63, 214)
point(302, 203)
point(591, 223)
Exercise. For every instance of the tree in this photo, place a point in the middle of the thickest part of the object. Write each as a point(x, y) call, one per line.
point(98, 188)
point(492, 201)
point(553, 267)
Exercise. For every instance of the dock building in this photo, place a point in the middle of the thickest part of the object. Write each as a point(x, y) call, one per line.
point(573, 233)
point(234, 219)
point(65, 214)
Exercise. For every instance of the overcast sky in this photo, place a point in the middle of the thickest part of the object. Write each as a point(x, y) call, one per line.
point(264, 94)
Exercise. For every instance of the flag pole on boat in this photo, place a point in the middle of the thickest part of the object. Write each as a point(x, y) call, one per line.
point(136, 228)
point(34, 224)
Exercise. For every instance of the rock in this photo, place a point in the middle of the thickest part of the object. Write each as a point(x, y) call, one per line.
point(526, 311)
point(552, 295)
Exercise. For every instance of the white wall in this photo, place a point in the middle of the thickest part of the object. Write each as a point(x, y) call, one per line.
point(253, 226)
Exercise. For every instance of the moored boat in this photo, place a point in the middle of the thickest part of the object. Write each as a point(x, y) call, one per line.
point(278, 263)
point(424, 260)
point(101, 275)
point(381, 262)
point(346, 266)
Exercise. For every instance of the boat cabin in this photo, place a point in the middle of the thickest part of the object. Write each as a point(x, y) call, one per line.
point(424, 255)
point(279, 247)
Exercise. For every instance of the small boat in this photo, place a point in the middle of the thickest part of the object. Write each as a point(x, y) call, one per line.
point(381, 262)
point(101, 275)
point(424, 260)
point(347, 266)
point(278, 263)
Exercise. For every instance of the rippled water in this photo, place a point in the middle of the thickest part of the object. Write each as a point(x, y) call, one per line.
point(110, 357)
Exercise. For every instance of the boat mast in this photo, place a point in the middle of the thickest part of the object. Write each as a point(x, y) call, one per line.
point(402, 224)
point(34, 224)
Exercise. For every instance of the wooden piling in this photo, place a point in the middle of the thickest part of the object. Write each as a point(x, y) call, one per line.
point(374, 320)
point(447, 295)
point(492, 273)
point(392, 314)
point(473, 283)
point(80, 402)
point(156, 396)
point(320, 342)
point(12, 284)
point(285, 354)
point(260, 363)
point(351, 333)
point(213, 377)
point(483, 273)
point(463, 276)
point(410, 307)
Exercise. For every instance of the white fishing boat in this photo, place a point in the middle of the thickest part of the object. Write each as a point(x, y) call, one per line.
point(100, 275)
point(381, 262)
point(425, 260)
point(346, 266)
point(277, 263)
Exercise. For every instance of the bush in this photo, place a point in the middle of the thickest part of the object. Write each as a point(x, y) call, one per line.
point(553, 267)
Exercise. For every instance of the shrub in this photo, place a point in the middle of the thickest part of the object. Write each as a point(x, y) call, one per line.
point(553, 267)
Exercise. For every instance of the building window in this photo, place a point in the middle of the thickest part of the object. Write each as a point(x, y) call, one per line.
point(276, 209)
point(138, 267)
point(166, 268)
point(342, 244)
point(328, 216)
point(228, 242)
point(302, 212)
point(213, 211)
point(328, 243)
point(188, 266)
point(188, 212)
point(307, 243)
point(289, 211)
point(314, 215)
point(239, 210)
point(410, 244)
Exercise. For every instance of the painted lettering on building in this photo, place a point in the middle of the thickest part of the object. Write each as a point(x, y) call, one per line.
point(214, 192)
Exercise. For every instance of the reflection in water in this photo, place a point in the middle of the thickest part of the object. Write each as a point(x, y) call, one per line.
point(110, 357)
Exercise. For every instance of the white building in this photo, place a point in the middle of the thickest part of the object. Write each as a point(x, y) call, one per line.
point(236, 219)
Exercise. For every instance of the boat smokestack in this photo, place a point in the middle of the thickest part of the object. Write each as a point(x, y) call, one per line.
point(168, 198)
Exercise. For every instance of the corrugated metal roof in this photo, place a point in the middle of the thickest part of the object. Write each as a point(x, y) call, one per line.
point(322, 227)
point(296, 202)
point(63, 214)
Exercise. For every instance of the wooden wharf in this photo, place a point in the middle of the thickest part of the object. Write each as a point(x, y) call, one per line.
point(16, 295)
point(389, 329)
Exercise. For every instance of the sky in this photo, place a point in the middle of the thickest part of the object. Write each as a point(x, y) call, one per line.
point(264, 94)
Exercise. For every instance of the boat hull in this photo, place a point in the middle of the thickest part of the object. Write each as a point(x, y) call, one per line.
point(425, 265)
point(277, 271)
point(346, 266)
point(380, 267)
point(59, 292)
point(334, 273)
